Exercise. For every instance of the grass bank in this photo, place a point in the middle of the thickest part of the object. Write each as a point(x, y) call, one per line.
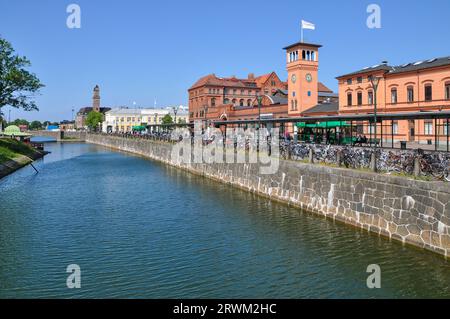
point(15, 154)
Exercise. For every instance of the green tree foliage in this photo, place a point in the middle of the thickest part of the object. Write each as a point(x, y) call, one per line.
point(94, 119)
point(19, 122)
point(35, 125)
point(18, 86)
point(167, 119)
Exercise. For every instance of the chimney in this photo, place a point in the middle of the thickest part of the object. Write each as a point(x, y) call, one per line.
point(251, 76)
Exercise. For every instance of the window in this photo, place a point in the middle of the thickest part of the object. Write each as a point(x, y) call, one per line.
point(360, 100)
point(359, 79)
point(370, 98)
point(369, 78)
point(296, 105)
point(241, 102)
point(446, 128)
point(447, 91)
point(292, 105)
point(394, 96)
point(303, 55)
point(349, 81)
point(313, 56)
point(428, 92)
point(349, 99)
point(234, 101)
point(213, 102)
point(226, 101)
point(249, 102)
point(428, 128)
point(273, 83)
point(410, 94)
point(395, 128)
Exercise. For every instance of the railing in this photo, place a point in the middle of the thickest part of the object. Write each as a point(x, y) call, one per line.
point(431, 165)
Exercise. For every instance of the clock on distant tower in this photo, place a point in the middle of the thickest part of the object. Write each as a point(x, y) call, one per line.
point(294, 78)
point(309, 77)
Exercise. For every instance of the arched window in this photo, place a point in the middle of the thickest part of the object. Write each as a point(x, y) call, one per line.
point(313, 56)
point(447, 91)
point(308, 56)
point(213, 101)
point(410, 93)
point(349, 99)
point(292, 105)
point(428, 92)
point(249, 102)
point(303, 55)
point(241, 102)
point(226, 101)
point(234, 101)
point(394, 96)
point(370, 98)
point(296, 105)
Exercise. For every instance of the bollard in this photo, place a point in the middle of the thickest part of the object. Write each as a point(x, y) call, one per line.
point(339, 158)
point(416, 167)
point(311, 156)
point(373, 162)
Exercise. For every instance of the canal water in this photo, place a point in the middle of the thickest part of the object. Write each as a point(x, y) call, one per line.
point(139, 229)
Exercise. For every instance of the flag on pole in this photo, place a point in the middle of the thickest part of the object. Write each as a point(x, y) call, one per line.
point(308, 25)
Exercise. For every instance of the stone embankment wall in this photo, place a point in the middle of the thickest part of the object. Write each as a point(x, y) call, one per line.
point(410, 211)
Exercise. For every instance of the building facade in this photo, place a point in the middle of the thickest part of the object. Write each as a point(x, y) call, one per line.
point(123, 120)
point(422, 86)
point(213, 98)
point(80, 120)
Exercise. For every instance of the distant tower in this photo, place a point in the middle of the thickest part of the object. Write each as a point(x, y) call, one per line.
point(302, 67)
point(96, 99)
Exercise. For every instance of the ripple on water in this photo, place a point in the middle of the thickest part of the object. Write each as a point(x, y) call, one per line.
point(140, 229)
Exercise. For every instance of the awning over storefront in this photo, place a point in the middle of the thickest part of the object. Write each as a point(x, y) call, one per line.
point(139, 128)
point(325, 125)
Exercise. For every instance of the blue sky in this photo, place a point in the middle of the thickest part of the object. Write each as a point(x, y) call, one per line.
point(137, 50)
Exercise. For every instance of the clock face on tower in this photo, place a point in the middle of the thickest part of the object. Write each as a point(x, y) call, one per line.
point(294, 78)
point(309, 77)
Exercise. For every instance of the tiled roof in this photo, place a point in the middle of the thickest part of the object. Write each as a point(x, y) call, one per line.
point(323, 108)
point(323, 88)
point(408, 67)
point(260, 80)
point(213, 80)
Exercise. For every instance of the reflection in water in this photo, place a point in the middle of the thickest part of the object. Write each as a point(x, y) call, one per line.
point(141, 229)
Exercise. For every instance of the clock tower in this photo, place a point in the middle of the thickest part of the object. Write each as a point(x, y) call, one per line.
point(302, 67)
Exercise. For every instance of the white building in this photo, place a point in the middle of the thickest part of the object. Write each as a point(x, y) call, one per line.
point(123, 120)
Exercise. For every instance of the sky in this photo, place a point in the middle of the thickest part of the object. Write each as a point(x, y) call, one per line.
point(139, 50)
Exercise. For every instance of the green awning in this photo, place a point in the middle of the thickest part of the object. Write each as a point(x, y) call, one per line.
point(332, 124)
point(139, 128)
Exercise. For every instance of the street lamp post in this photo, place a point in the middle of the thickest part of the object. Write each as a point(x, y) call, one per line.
point(260, 98)
point(175, 112)
point(375, 81)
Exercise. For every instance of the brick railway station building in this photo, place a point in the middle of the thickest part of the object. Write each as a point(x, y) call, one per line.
point(422, 86)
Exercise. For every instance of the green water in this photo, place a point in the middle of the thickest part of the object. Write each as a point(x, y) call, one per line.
point(139, 229)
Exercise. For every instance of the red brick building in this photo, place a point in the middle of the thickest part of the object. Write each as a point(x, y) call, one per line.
point(213, 98)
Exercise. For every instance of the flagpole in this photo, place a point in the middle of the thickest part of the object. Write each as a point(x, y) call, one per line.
point(302, 34)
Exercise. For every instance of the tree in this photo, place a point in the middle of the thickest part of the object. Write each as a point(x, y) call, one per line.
point(35, 125)
point(19, 122)
point(167, 119)
point(17, 85)
point(93, 119)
